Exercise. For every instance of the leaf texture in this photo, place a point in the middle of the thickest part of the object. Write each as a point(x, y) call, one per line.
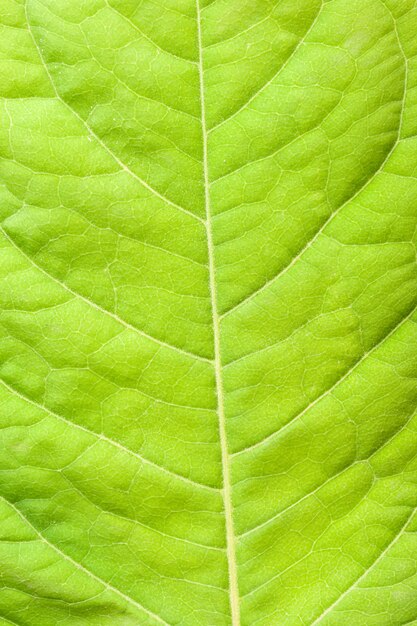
point(208, 312)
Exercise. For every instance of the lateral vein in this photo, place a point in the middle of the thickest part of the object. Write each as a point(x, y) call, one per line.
point(93, 134)
point(81, 567)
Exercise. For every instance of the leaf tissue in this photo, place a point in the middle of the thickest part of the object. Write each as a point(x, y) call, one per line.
point(208, 326)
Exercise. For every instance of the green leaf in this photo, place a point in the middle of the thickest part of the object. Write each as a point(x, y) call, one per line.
point(208, 286)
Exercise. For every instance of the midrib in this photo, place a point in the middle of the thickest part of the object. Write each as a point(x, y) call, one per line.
point(227, 491)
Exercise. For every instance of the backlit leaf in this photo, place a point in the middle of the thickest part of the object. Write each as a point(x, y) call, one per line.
point(208, 334)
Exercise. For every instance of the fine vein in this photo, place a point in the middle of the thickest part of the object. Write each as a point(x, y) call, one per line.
point(81, 567)
point(93, 134)
point(227, 491)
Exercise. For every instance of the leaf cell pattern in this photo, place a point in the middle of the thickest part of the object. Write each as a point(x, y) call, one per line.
point(208, 312)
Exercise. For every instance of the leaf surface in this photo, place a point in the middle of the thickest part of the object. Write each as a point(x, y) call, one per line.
point(207, 327)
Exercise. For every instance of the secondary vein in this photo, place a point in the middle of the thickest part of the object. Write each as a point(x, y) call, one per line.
point(227, 489)
point(93, 134)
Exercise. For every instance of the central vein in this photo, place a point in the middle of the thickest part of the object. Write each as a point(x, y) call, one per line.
point(227, 491)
